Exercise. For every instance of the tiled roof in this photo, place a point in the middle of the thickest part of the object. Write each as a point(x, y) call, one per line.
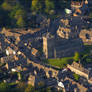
point(79, 67)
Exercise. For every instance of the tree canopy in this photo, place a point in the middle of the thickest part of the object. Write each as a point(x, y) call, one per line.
point(14, 13)
point(76, 56)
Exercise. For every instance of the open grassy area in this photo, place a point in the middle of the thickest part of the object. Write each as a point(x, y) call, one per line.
point(60, 62)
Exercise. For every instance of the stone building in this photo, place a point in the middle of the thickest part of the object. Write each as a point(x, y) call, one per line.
point(69, 28)
point(31, 80)
point(64, 32)
point(72, 33)
point(90, 80)
point(86, 36)
point(55, 47)
point(10, 51)
point(74, 28)
point(48, 46)
point(34, 52)
point(74, 86)
point(79, 7)
point(75, 4)
point(78, 69)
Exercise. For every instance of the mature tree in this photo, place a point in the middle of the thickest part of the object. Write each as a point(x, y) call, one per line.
point(18, 16)
point(4, 87)
point(76, 56)
point(4, 18)
point(6, 6)
point(19, 13)
point(76, 76)
point(36, 5)
point(26, 3)
point(20, 22)
point(49, 5)
point(16, 10)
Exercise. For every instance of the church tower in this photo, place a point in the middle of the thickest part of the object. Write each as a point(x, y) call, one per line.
point(48, 46)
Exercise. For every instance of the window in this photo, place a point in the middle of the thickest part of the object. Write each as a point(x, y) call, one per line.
point(87, 36)
point(64, 32)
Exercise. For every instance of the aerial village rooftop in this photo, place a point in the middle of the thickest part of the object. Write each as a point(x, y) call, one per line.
point(58, 54)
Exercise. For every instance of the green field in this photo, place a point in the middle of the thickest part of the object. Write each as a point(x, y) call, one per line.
point(60, 62)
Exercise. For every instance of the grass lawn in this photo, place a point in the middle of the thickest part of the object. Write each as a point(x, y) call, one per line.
point(60, 62)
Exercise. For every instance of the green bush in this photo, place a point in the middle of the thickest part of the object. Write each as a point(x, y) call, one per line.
point(76, 56)
point(76, 76)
